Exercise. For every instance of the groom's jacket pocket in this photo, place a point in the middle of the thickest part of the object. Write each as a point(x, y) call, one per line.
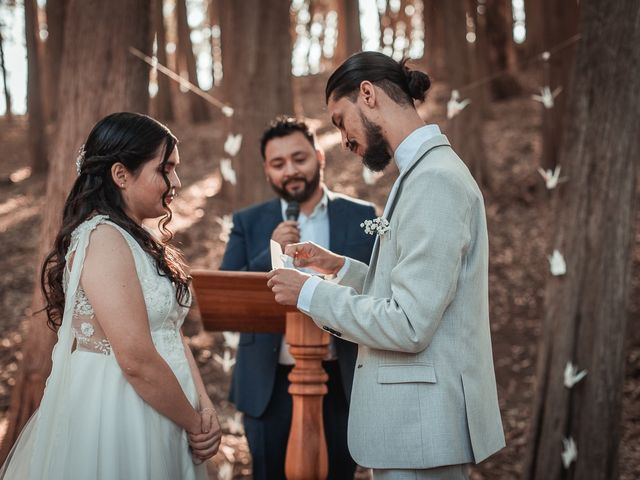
point(409, 373)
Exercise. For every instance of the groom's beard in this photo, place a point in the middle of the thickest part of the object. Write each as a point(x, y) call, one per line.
point(377, 155)
point(301, 196)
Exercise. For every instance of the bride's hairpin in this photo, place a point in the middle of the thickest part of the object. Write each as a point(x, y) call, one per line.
point(80, 158)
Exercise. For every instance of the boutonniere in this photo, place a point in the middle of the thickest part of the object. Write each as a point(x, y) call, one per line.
point(377, 226)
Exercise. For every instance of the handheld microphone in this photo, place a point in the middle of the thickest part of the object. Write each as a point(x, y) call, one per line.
point(293, 210)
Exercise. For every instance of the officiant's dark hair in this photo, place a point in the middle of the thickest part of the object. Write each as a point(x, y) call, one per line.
point(131, 139)
point(396, 79)
point(283, 126)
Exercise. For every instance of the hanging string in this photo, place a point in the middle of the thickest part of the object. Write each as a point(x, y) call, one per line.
point(153, 62)
point(544, 56)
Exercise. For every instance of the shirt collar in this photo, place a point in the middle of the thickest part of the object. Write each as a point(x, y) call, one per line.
point(320, 207)
point(410, 145)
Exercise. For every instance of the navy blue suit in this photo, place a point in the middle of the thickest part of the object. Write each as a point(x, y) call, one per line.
point(258, 386)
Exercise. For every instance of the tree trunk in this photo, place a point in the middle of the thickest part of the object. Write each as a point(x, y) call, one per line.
point(37, 133)
point(561, 22)
point(499, 31)
point(535, 18)
point(434, 35)
point(7, 94)
point(466, 129)
point(161, 105)
point(586, 309)
point(53, 47)
point(253, 31)
point(349, 35)
point(96, 58)
point(187, 63)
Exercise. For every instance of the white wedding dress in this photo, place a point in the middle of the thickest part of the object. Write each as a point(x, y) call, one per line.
point(91, 423)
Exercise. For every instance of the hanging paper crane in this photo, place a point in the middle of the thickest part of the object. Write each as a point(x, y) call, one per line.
point(369, 176)
point(227, 171)
point(232, 144)
point(552, 178)
point(569, 452)
point(231, 339)
point(557, 264)
point(454, 105)
point(547, 97)
point(226, 361)
point(572, 376)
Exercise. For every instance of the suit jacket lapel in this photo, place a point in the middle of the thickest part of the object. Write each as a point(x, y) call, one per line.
point(423, 151)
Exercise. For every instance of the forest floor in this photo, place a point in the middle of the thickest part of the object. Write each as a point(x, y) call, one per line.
point(519, 219)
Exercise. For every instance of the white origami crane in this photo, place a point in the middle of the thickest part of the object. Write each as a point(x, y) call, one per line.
point(552, 177)
point(231, 339)
point(226, 224)
point(226, 361)
point(227, 111)
point(454, 105)
point(557, 264)
point(572, 376)
point(227, 171)
point(225, 472)
point(234, 424)
point(569, 452)
point(369, 176)
point(547, 97)
point(232, 144)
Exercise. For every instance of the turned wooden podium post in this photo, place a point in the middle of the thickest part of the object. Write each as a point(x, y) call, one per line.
point(242, 302)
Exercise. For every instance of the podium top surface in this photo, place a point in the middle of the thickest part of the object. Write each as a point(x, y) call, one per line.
point(238, 301)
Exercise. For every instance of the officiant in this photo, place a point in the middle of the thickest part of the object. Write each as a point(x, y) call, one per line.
point(304, 209)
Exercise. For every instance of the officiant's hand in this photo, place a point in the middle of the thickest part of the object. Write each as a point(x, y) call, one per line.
point(286, 284)
point(308, 254)
point(286, 233)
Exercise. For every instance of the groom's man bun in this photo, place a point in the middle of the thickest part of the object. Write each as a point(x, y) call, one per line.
point(398, 81)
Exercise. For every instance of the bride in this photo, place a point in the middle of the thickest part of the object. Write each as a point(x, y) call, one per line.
point(124, 399)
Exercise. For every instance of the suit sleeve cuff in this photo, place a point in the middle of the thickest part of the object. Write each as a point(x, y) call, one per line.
point(342, 272)
point(306, 294)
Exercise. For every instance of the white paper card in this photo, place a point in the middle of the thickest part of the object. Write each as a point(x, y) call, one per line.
point(279, 259)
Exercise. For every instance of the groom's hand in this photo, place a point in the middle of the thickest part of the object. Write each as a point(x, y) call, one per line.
point(308, 254)
point(286, 284)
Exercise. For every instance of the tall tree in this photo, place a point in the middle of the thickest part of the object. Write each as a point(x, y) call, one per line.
point(499, 31)
point(535, 18)
point(253, 31)
point(586, 309)
point(349, 34)
point(95, 58)
point(7, 94)
point(53, 47)
point(434, 38)
point(465, 129)
point(187, 62)
point(35, 109)
point(161, 105)
point(560, 23)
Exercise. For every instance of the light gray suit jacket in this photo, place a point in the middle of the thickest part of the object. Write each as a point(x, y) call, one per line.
point(424, 390)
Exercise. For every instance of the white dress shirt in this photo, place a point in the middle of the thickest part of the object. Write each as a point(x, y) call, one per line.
point(403, 155)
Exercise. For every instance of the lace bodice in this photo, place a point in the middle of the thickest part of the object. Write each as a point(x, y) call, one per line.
point(164, 313)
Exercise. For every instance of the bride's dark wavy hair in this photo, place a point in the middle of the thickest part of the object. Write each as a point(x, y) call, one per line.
point(132, 139)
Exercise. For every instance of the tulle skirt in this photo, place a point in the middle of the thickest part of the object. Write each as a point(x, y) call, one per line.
point(113, 433)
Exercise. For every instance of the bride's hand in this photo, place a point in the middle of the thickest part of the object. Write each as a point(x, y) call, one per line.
point(205, 445)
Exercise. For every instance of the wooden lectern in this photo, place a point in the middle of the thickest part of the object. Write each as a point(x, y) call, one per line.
point(242, 302)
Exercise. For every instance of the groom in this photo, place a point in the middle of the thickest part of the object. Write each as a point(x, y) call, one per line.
point(424, 402)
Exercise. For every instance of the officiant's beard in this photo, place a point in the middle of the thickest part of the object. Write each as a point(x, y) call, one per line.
point(377, 155)
point(301, 196)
